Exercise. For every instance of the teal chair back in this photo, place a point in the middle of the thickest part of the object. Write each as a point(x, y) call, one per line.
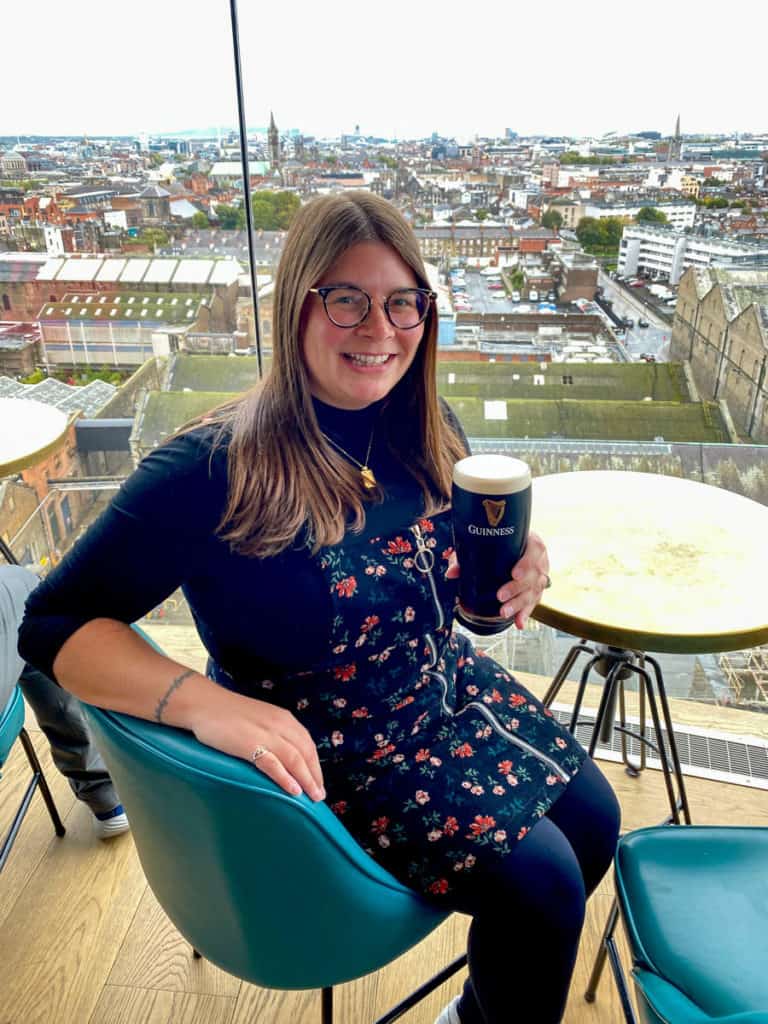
point(269, 887)
point(694, 900)
point(11, 723)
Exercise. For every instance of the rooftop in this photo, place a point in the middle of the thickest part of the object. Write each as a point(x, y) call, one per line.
point(167, 308)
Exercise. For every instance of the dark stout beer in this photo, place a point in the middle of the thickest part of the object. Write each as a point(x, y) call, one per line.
point(491, 514)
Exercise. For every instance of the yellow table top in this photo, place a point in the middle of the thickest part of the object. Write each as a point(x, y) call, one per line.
point(653, 563)
point(29, 431)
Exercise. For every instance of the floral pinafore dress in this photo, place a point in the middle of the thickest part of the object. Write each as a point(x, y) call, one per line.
point(433, 756)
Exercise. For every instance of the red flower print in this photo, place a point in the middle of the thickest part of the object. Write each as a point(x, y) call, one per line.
point(379, 825)
point(346, 587)
point(345, 672)
point(369, 570)
point(404, 702)
point(447, 554)
point(370, 622)
point(551, 780)
point(496, 697)
point(465, 750)
point(505, 767)
point(380, 570)
point(523, 832)
point(398, 546)
point(360, 713)
point(451, 826)
point(481, 824)
point(427, 525)
point(516, 700)
point(409, 614)
point(422, 755)
point(337, 738)
point(500, 835)
point(421, 797)
point(382, 752)
point(560, 742)
point(439, 886)
point(339, 807)
point(434, 835)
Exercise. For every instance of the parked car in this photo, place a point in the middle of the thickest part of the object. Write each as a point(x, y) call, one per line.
point(515, 296)
point(533, 295)
point(551, 297)
point(643, 323)
point(628, 321)
point(496, 286)
point(637, 284)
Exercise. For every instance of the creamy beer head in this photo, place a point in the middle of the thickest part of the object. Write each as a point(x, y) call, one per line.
point(491, 501)
point(492, 474)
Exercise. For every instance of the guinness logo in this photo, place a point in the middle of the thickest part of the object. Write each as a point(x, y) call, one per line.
point(494, 511)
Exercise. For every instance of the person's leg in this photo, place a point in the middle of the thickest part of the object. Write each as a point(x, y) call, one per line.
point(528, 915)
point(589, 816)
point(527, 920)
point(61, 718)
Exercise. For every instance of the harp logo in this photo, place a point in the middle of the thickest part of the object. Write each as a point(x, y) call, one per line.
point(494, 511)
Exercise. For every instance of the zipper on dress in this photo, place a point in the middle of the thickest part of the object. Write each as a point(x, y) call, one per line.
point(424, 560)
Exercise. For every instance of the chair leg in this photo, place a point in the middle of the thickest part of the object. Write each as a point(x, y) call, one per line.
point(37, 771)
point(602, 950)
point(326, 1005)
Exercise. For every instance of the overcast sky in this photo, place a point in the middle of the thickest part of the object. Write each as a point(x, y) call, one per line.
point(96, 67)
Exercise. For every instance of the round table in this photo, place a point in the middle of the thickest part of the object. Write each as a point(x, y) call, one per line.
point(29, 431)
point(653, 563)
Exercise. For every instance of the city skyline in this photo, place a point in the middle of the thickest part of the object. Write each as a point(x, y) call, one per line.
point(406, 75)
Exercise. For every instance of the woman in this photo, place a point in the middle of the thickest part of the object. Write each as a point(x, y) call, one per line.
point(301, 521)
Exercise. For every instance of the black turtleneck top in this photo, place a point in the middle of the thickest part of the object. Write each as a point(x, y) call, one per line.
point(160, 532)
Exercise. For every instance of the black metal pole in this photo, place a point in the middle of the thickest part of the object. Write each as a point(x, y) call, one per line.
point(246, 176)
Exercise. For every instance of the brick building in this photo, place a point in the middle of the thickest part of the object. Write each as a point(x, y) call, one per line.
point(721, 329)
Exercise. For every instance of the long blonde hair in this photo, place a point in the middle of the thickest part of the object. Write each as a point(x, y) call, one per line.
point(285, 479)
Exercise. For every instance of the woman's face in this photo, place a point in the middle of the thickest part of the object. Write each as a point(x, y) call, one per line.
point(350, 367)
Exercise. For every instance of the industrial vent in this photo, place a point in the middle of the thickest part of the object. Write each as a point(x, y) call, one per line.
point(703, 752)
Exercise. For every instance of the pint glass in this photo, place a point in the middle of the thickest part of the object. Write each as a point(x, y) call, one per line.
point(491, 515)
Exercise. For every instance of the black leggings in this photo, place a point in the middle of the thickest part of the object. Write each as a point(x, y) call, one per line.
point(528, 916)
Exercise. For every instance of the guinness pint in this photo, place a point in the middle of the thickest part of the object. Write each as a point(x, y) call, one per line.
point(491, 514)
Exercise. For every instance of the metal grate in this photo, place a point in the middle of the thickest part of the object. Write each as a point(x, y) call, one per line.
point(703, 753)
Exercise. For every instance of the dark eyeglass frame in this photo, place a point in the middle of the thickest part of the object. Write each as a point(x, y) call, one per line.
point(324, 291)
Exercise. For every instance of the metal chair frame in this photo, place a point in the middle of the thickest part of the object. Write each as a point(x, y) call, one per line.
point(617, 665)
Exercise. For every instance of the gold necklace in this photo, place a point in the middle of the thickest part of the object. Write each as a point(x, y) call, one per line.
point(366, 473)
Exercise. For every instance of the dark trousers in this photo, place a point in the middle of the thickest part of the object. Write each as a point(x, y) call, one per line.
point(60, 717)
point(527, 917)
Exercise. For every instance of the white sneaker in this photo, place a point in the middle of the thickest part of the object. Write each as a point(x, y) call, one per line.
point(112, 823)
point(450, 1014)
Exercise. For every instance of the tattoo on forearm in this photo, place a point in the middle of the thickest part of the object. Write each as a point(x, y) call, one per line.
point(163, 702)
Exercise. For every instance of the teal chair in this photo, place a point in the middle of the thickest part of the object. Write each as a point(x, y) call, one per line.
point(269, 887)
point(694, 902)
point(11, 729)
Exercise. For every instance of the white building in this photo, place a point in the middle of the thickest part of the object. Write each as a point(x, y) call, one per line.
point(680, 214)
point(665, 253)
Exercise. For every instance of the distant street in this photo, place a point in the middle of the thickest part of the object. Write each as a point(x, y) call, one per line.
point(654, 339)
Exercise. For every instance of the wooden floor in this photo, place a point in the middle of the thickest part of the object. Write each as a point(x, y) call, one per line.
point(82, 940)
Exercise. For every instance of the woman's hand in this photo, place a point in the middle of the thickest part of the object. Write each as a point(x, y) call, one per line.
point(530, 577)
point(242, 726)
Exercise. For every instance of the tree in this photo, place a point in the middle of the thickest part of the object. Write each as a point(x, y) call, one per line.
point(650, 215)
point(274, 211)
point(552, 219)
point(231, 218)
point(153, 238)
point(200, 221)
point(599, 233)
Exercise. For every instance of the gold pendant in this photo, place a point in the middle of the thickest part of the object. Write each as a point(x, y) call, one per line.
point(369, 480)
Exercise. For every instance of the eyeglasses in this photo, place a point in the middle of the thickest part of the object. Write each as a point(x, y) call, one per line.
point(347, 305)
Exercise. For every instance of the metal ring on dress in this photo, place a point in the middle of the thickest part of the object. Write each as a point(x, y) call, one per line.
point(258, 753)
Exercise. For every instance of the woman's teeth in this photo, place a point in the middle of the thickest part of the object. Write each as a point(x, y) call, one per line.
point(365, 360)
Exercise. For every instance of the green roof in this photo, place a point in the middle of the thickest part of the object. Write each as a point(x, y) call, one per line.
point(153, 307)
point(595, 420)
point(166, 411)
point(214, 373)
point(663, 382)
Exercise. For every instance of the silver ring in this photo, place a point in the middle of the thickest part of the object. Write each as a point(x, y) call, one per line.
point(258, 753)
point(548, 584)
